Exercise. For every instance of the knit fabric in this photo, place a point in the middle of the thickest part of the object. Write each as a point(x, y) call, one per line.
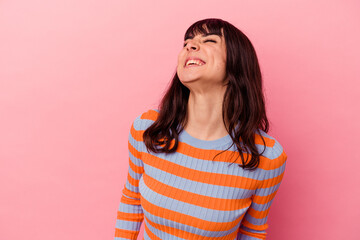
point(189, 195)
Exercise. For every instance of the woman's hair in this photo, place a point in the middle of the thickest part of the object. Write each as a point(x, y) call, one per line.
point(243, 102)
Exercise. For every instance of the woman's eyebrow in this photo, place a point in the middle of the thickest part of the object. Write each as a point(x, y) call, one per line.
point(204, 35)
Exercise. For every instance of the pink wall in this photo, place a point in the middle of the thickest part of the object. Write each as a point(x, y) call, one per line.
point(75, 74)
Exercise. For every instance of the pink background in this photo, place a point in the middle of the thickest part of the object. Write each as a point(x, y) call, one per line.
point(75, 74)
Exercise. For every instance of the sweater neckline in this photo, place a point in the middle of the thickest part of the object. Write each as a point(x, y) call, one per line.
point(204, 144)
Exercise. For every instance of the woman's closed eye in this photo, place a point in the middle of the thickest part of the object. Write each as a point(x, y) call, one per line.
point(208, 40)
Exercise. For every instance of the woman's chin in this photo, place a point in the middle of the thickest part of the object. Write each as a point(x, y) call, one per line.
point(184, 77)
point(188, 80)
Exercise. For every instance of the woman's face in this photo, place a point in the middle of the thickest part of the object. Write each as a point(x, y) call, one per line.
point(207, 55)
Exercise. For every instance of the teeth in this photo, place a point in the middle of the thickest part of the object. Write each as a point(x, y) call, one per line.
point(192, 61)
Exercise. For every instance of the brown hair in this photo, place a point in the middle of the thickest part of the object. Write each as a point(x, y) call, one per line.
point(243, 101)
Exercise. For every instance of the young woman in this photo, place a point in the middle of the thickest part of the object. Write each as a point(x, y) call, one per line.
point(202, 165)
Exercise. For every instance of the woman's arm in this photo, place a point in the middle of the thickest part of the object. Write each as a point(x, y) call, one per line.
point(130, 214)
point(254, 224)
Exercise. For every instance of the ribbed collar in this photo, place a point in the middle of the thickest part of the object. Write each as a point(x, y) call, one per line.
point(204, 144)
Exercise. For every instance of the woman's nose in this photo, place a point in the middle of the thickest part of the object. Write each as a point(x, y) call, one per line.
point(192, 46)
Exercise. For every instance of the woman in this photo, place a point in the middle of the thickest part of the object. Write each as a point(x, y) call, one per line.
point(181, 177)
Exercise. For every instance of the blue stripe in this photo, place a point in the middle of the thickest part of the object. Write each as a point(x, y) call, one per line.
point(127, 225)
point(129, 208)
point(261, 207)
point(191, 209)
point(200, 188)
point(256, 221)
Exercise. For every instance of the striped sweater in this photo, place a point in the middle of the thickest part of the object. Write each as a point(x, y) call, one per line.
point(188, 195)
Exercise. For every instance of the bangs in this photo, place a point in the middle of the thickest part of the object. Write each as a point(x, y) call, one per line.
point(206, 26)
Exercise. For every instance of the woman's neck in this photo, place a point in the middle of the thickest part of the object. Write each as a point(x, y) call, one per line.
point(204, 115)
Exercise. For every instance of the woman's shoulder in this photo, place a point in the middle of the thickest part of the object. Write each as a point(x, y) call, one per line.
point(274, 152)
point(146, 118)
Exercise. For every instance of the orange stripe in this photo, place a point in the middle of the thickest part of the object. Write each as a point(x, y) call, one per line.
point(272, 181)
point(271, 164)
point(150, 115)
point(277, 162)
point(258, 214)
point(133, 217)
point(264, 199)
point(128, 234)
point(200, 176)
point(187, 219)
point(132, 181)
point(228, 156)
point(187, 235)
point(208, 154)
point(194, 198)
point(255, 227)
point(129, 193)
point(149, 233)
point(268, 141)
point(135, 168)
point(135, 153)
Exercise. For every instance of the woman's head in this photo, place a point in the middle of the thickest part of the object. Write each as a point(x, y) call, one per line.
point(235, 59)
point(202, 60)
point(240, 56)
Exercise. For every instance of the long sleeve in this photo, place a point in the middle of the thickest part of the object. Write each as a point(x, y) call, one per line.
point(130, 214)
point(254, 224)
